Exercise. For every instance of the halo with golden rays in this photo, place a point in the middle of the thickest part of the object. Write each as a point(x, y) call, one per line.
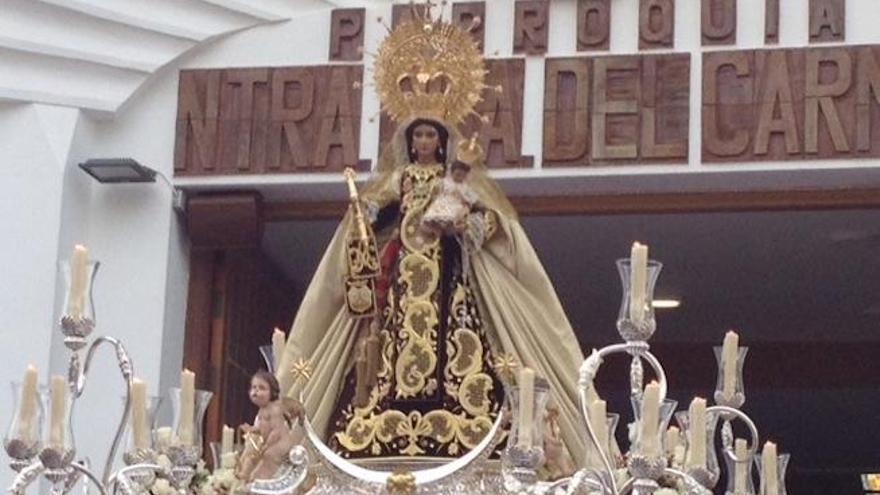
point(429, 68)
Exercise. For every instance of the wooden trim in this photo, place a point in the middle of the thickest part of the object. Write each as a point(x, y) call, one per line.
point(616, 204)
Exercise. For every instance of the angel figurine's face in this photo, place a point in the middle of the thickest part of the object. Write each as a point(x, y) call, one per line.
point(425, 140)
point(260, 393)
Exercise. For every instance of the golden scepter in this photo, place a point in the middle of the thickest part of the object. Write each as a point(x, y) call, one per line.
point(362, 257)
point(353, 196)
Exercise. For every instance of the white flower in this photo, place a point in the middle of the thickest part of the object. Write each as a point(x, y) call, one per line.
point(162, 487)
point(163, 461)
point(666, 491)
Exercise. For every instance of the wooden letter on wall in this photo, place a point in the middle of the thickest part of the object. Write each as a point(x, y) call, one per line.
point(775, 97)
point(198, 108)
point(868, 85)
point(718, 22)
point(293, 90)
point(566, 116)
point(728, 95)
point(665, 107)
point(531, 27)
point(405, 12)
point(771, 22)
point(827, 20)
point(471, 16)
point(615, 112)
point(347, 35)
point(656, 23)
point(593, 25)
point(821, 92)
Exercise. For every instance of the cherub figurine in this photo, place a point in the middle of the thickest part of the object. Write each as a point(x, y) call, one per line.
point(263, 392)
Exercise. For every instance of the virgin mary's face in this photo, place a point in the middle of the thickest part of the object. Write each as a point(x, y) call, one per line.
point(425, 141)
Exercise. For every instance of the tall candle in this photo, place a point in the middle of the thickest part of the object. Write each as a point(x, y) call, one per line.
point(598, 410)
point(277, 348)
point(770, 474)
point(697, 432)
point(526, 382)
point(740, 469)
point(78, 273)
point(638, 281)
point(650, 421)
point(163, 437)
point(57, 419)
point(27, 407)
point(729, 355)
point(673, 438)
point(187, 407)
point(139, 413)
point(228, 440)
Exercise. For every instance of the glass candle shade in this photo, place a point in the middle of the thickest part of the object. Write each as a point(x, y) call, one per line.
point(138, 450)
point(781, 466)
point(524, 453)
point(201, 399)
point(534, 438)
point(23, 438)
point(738, 398)
point(78, 313)
point(59, 446)
point(667, 409)
point(268, 355)
point(637, 330)
point(708, 472)
point(740, 480)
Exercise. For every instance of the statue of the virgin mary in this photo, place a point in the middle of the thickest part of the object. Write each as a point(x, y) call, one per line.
point(452, 308)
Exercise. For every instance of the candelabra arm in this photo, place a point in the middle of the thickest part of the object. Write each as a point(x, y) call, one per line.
point(690, 485)
point(120, 480)
point(88, 473)
point(753, 429)
point(78, 385)
point(25, 477)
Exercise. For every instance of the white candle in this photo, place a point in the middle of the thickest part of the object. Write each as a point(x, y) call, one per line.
point(638, 281)
point(163, 437)
point(27, 407)
point(228, 440)
point(277, 348)
point(650, 420)
point(770, 474)
point(697, 433)
point(729, 355)
point(673, 438)
point(78, 273)
point(187, 407)
point(740, 469)
point(526, 382)
point(599, 418)
point(139, 413)
point(57, 419)
point(227, 460)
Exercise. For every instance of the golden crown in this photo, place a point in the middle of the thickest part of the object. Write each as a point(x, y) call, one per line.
point(429, 68)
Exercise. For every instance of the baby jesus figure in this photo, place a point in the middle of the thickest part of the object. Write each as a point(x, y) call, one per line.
point(449, 210)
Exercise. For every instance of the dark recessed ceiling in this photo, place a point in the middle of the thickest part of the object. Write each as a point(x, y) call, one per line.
point(775, 276)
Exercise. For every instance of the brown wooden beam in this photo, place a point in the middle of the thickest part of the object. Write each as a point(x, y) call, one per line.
point(615, 204)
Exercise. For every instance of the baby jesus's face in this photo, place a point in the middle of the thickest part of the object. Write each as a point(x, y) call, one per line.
point(260, 392)
point(459, 175)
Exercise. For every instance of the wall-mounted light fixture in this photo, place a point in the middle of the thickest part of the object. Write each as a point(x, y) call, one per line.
point(128, 170)
point(117, 170)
